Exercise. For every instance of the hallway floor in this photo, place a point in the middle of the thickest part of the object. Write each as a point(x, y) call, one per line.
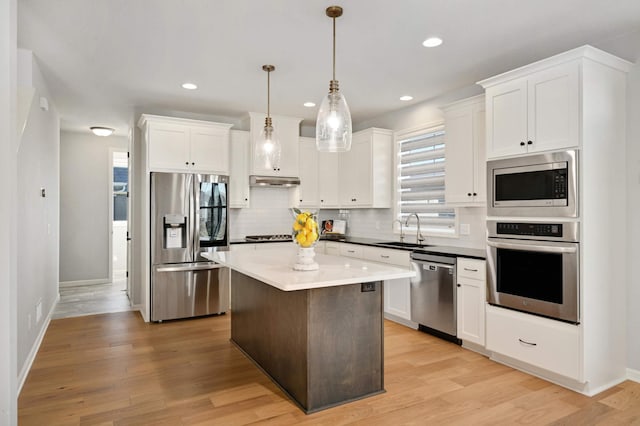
point(93, 299)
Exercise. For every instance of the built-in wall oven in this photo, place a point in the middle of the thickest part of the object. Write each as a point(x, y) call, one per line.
point(534, 267)
point(539, 185)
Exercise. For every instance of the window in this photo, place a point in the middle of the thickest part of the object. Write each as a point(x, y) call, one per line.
point(420, 184)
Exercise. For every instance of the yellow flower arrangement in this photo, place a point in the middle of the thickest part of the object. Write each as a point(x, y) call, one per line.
point(305, 228)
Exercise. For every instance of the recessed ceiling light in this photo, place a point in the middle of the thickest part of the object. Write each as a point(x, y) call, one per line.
point(309, 104)
point(101, 131)
point(406, 98)
point(189, 86)
point(432, 42)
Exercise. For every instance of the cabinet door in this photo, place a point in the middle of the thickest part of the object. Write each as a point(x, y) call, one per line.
point(397, 298)
point(351, 250)
point(209, 150)
point(479, 155)
point(239, 169)
point(507, 118)
point(553, 106)
point(459, 167)
point(308, 159)
point(471, 294)
point(168, 147)
point(332, 248)
point(328, 180)
point(356, 173)
point(288, 132)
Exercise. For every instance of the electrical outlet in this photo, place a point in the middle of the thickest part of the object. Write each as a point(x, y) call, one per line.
point(465, 229)
point(38, 311)
point(366, 287)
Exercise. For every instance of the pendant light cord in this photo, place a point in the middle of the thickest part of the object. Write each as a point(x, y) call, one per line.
point(268, 93)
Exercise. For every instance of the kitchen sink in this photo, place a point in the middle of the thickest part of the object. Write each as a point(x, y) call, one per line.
point(402, 244)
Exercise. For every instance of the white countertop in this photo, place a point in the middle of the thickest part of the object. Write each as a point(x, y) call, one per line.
point(275, 267)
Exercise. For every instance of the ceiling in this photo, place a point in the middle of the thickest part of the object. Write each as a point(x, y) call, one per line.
point(105, 60)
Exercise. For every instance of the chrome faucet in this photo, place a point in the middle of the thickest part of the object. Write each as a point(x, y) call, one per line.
point(419, 237)
point(401, 231)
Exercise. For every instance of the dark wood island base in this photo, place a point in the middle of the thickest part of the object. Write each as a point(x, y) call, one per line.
point(321, 346)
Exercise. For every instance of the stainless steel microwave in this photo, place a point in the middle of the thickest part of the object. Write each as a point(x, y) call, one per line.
point(538, 185)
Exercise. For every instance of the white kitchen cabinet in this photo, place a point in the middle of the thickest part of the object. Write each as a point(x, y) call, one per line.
point(471, 300)
point(465, 168)
point(332, 248)
point(366, 171)
point(328, 180)
point(397, 293)
point(182, 145)
point(288, 130)
point(309, 169)
point(533, 109)
point(239, 195)
point(351, 250)
point(541, 342)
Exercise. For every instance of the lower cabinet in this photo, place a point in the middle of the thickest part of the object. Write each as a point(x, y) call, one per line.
point(397, 296)
point(471, 295)
point(541, 342)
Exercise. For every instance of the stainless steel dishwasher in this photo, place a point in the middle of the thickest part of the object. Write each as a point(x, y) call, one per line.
point(433, 295)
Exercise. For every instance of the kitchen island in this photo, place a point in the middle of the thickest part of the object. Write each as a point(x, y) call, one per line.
point(317, 334)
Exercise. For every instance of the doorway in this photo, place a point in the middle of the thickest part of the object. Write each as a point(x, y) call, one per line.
point(120, 191)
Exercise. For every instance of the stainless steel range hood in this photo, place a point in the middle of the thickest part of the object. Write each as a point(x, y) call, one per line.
point(273, 181)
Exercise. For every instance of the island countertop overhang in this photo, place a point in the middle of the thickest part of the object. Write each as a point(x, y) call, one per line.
point(275, 267)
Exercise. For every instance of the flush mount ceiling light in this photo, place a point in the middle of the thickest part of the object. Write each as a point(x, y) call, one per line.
point(432, 42)
point(189, 86)
point(101, 131)
point(309, 104)
point(269, 145)
point(333, 126)
point(406, 98)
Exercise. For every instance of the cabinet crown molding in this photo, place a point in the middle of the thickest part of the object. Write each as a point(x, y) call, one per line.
point(479, 99)
point(148, 118)
point(583, 52)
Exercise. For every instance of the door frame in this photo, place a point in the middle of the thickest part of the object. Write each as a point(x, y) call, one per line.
point(112, 151)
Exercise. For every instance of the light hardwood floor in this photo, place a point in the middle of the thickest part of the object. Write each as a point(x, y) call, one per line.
point(114, 369)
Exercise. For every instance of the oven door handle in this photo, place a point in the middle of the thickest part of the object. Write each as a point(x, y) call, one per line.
point(535, 246)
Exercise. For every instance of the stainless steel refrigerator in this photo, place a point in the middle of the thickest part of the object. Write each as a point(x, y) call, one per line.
point(188, 216)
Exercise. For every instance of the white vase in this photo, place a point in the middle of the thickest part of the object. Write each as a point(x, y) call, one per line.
point(304, 259)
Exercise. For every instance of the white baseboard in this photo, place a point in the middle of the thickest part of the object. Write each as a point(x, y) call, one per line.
point(22, 377)
point(142, 312)
point(633, 375)
point(84, 282)
point(400, 320)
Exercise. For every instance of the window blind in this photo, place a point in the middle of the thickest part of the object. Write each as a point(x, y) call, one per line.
point(421, 181)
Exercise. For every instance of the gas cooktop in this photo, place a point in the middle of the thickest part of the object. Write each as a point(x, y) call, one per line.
point(273, 237)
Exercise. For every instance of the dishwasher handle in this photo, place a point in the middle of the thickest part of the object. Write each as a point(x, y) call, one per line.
point(433, 266)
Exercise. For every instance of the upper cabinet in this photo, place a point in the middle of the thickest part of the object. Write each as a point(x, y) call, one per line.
point(533, 109)
point(465, 177)
point(308, 165)
point(239, 170)
point(328, 180)
point(366, 171)
point(182, 145)
point(288, 131)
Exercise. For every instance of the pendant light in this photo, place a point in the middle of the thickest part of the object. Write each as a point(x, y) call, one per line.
point(269, 145)
point(333, 126)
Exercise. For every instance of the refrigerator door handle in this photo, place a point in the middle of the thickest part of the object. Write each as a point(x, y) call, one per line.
point(186, 268)
point(195, 214)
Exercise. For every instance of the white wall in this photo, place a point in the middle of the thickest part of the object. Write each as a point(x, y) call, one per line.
point(8, 240)
point(37, 220)
point(633, 225)
point(84, 205)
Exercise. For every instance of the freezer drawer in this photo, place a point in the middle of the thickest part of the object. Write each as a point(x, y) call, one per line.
point(188, 290)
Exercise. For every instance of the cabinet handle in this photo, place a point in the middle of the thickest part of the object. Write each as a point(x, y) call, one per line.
point(470, 270)
point(300, 200)
point(529, 143)
point(521, 143)
point(527, 343)
point(246, 199)
point(468, 194)
point(322, 201)
point(458, 285)
point(475, 193)
point(351, 251)
point(384, 256)
point(193, 164)
point(187, 163)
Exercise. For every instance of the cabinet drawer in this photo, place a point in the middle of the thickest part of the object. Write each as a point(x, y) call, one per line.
point(390, 256)
point(471, 268)
point(351, 250)
point(544, 343)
